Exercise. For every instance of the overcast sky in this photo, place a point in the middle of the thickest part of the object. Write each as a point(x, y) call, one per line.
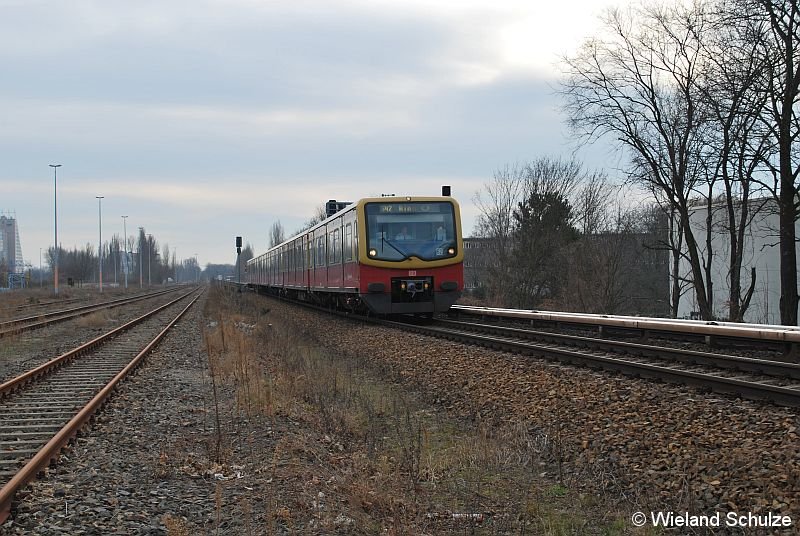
point(204, 120)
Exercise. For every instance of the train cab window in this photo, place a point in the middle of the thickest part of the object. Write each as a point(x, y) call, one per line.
point(348, 242)
point(422, 229)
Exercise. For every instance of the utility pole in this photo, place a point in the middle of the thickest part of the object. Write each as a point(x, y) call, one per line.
point(55, 219)
point(149, 264)
point(125, 246)
point(100, 244)
point(141, 234)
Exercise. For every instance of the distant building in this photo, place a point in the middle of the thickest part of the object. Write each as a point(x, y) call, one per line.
point(475, 262)
point(641, 271)
point(761, 251)
point(10, 247)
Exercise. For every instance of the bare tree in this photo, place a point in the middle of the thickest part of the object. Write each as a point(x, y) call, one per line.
point(591, 204)
point(496, 202)
point(639, 87)
point(318, 217)
point(276, 234)
point(775, 26)
point(736, 144)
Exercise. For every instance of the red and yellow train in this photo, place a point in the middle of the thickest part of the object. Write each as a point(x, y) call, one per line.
point(388, 255)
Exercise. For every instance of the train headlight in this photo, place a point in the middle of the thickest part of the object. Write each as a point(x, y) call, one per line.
point(426, 285)
point(373, 252)
point(403, 285)
point(451, 251)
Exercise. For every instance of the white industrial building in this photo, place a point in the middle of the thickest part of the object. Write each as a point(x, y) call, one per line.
point(10, 247)
point(761, 250)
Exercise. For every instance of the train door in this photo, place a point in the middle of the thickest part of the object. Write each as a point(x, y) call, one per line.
point(340, 252)
point(322, 243)
point(308, 261)
point(349, 259)
point(299, 271)
point(320, 266)
point(334, 261)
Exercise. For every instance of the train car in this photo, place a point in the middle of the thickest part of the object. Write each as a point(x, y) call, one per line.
point(387, 255)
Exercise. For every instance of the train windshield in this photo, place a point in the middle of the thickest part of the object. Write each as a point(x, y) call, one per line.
point(397, 231)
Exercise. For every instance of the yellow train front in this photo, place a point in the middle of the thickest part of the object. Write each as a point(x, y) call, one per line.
point(388, 255)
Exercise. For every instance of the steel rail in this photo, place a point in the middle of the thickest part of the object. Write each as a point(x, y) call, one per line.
point(731, 330)
point(7, 328)
point(52, 449)
point(767, 367)
point(13, 384)
point(747, 389)
point(760, 391)
point(24, 306)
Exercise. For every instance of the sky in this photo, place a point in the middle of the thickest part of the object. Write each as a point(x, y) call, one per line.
point(204, 120)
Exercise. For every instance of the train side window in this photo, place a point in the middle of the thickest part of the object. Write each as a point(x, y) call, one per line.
point(300, 258)
point(355, 240)
point(337, 240)
point(321, 251)
point(334, 250)
point(348, 242)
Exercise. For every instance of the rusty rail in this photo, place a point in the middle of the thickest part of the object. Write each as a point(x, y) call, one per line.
point(51, 451)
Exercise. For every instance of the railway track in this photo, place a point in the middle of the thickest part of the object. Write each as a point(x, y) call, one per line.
point(36, 321)
point(44, 408)
point(781, 339)
point(41, 305)
point(759, 379)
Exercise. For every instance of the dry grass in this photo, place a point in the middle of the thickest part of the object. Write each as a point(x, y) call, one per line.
point(365, 455)
point(176, 526)
point(97, 319)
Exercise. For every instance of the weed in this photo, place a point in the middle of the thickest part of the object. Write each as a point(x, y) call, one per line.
point(176, 526)
point(98, 319)
point(385, 460)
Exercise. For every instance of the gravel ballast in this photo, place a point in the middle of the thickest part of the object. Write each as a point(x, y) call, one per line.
point(145, 466)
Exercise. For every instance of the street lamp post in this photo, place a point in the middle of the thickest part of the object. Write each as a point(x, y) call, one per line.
point(100, 244)
point(197, 280)
point(141, 234)
point(40, 267)
point(125, 245)
point(149, 264)
point(55, 219)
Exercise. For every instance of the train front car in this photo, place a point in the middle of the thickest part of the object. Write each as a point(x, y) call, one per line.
point(410, 254)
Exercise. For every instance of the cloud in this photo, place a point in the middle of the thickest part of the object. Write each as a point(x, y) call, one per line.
point(210, 117)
